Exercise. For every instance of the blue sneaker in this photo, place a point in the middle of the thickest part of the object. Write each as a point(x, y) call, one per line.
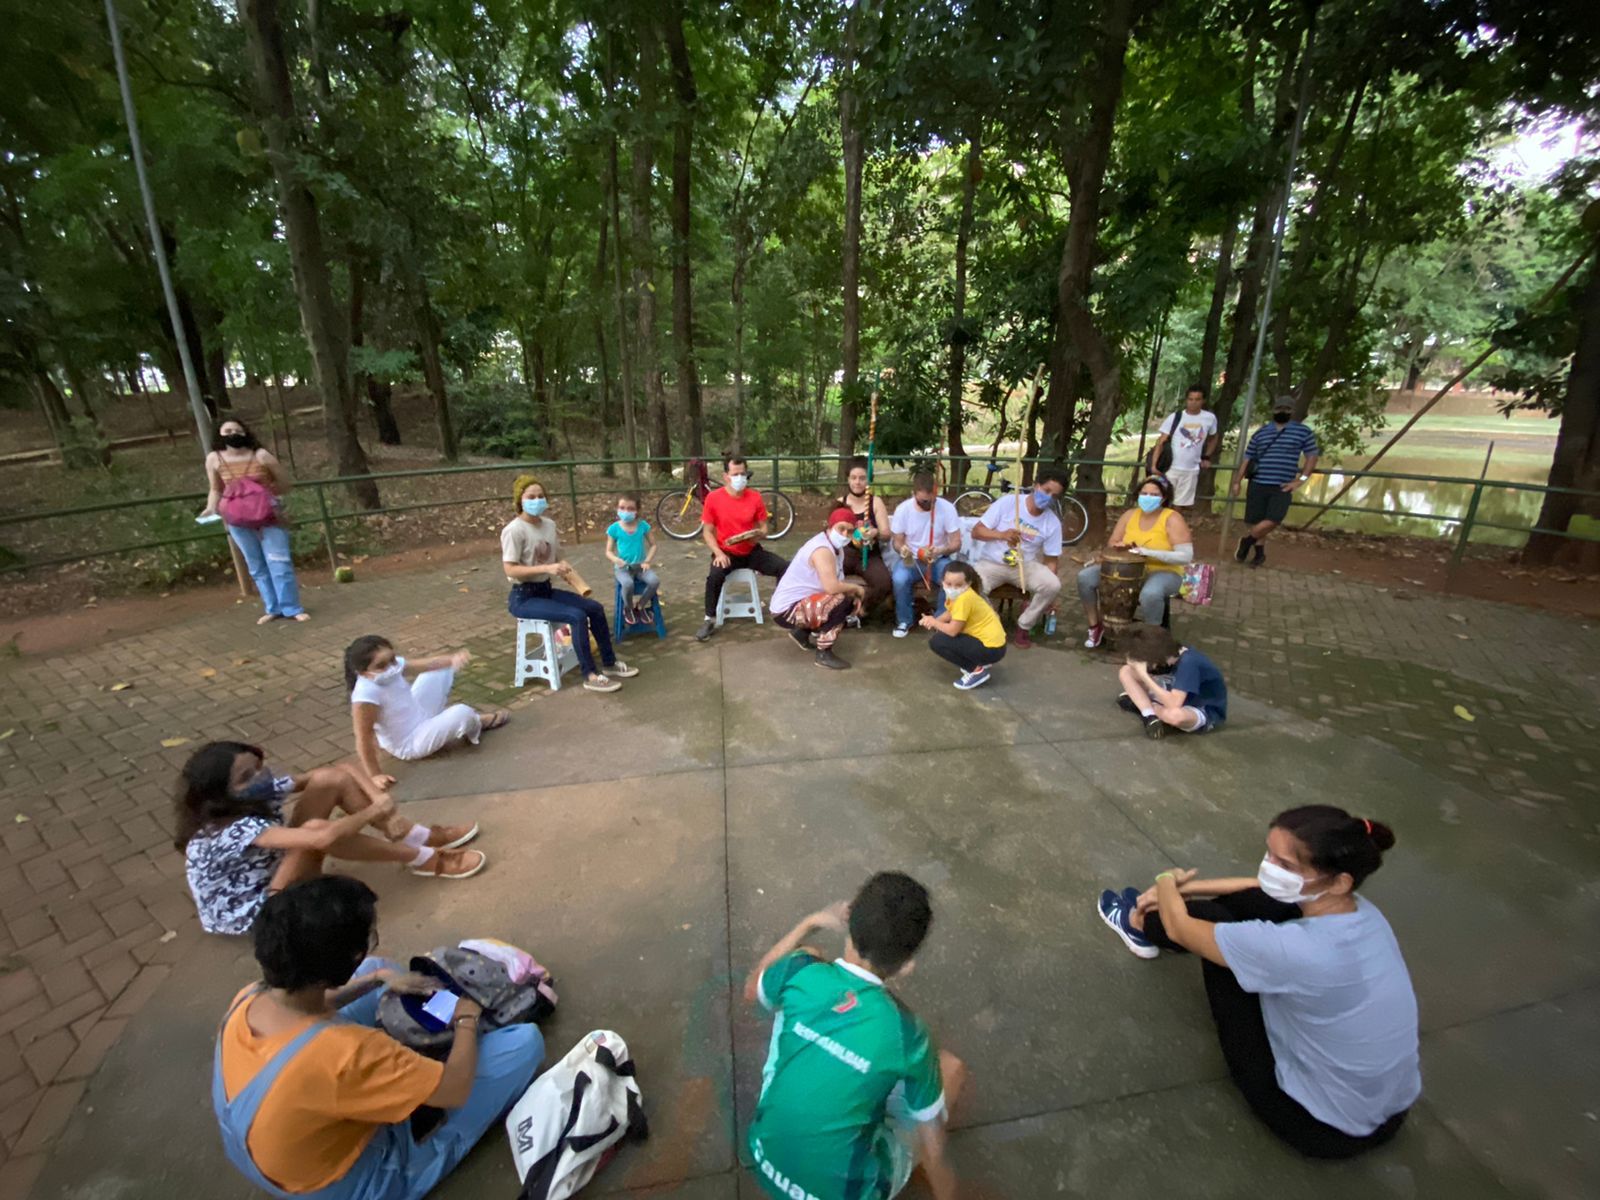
point(1114, 912)
point(972, 679)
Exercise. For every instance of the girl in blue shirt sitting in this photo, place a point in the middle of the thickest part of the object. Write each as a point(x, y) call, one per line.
point(631, 547)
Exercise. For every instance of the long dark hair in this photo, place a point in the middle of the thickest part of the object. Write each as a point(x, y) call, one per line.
point(216, 435)
point(205, 796)
point(358, 656)
point(1338, 843)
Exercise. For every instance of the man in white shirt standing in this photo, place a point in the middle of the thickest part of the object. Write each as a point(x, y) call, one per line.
point(1034, 539)
point(925, 532)
point(1193, 436)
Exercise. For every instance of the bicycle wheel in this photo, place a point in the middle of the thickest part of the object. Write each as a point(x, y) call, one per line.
point(1074, 520)
point(780, 515)
point(974, 503)
point(678, 515)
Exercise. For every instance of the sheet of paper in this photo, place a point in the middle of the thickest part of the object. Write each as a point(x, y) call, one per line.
point(441, 1006)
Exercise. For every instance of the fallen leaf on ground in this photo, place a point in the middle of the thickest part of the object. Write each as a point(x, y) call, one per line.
point(462, 589)
point(6, 734)
point(169, 743)
point(120, 687)
point(208, 672)
point(22, 818)
point(1461, 711)
point(1457, 617)
point(239, 662)
point(167, 936)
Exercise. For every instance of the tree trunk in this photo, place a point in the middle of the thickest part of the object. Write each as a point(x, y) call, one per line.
point(854, 159)
point(958, 314)
point(263, 30)
point(614, 204)
point(432, 369)
point(682, 278)
point(739, 253)
point(214, 365)
point(380, 394)
point(1577, 457)
point(74, 454)
point(1221, 280)
point(1088, 153)
point(643, 251)
point(607, 468)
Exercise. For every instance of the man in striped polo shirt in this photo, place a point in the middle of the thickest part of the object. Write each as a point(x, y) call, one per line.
point(1279, 458)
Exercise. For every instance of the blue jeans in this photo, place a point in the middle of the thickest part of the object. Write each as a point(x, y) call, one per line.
point(545, 603)
point(906, 576)
point(1158, 588)
point(393, 1166)
point(266, 554)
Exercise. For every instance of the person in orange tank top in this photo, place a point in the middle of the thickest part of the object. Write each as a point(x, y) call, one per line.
point(1157, 531)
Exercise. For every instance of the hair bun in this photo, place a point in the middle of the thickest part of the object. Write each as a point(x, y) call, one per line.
point(1382, 836)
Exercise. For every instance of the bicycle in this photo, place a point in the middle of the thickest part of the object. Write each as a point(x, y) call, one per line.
point(976, 501)
point(678, 513)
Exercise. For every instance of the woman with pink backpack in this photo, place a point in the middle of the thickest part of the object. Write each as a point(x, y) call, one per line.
point(246, 484)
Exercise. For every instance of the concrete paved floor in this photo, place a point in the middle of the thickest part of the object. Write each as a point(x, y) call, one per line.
point(649, 846)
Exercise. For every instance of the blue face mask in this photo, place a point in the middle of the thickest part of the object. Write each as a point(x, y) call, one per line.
point(262, 786)
point(1041, 499)
point(535, 508)
point(1149, 504)
point(627, 516)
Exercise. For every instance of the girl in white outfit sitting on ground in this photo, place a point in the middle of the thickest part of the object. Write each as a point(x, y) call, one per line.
point(410, 720)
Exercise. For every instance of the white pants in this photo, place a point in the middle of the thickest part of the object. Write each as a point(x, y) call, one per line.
point(1183, 486)
point(1044, 585)
point(440, 725)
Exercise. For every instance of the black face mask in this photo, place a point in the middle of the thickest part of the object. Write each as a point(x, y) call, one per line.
point(235, 441)
point(925, 505)
point(1282, 418)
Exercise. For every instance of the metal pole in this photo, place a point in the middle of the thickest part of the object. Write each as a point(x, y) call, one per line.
point(1279, 227)
point(202, 420)
point(1466, 521)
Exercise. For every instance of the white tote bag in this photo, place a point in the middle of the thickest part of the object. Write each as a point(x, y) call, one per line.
point(573, 1117)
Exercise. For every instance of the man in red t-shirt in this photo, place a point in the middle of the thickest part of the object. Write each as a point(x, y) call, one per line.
point(733, 509)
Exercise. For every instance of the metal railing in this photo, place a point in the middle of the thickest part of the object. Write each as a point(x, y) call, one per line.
point(889, 480)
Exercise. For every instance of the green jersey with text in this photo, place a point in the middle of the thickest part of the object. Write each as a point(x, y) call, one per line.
point(846, 1059)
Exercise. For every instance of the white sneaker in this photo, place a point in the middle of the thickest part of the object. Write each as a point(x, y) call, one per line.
point(901, 630)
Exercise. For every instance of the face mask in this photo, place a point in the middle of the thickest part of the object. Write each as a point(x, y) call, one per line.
point(235, 441)
point(627, 517)
point(1282, 884)
point(392, 671)
point(1041, 499)
point(737, 483)
point(1282, 418)
point(262, 786)
point(535, 508)
point(950, 593)
point(925, 505)
point(1149, 503)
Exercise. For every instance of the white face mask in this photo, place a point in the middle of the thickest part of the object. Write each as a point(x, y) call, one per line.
point(950, 593)
point(392, 671)
point(1283, 884)
point(736, 483)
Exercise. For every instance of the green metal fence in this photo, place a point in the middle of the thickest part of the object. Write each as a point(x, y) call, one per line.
point(796, 472)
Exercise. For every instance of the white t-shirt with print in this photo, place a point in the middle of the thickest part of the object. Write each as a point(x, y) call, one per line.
point(1189, 442)
point(1041, 535)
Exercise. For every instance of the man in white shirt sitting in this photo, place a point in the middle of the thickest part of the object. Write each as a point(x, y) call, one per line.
point(924, 532)
point(1028, 533)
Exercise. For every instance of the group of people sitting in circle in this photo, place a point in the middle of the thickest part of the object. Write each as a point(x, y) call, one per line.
point(1310, 995)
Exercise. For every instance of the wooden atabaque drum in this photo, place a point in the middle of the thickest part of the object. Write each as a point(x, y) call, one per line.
point(1121, 578)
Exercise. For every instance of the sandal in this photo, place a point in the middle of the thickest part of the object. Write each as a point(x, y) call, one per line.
point(453, 864)
point(451, 837)
point(494, 720)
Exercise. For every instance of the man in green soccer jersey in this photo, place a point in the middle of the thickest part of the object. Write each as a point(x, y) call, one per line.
point(854, 1093)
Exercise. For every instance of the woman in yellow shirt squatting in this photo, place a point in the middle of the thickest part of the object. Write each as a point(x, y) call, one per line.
point(967, 633)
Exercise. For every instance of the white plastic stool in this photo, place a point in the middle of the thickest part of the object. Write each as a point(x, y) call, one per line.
point(733, 606)
point(551, 661)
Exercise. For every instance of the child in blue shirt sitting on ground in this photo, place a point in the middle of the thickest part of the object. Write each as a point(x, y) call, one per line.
point(631, 545)
point(1171, 687)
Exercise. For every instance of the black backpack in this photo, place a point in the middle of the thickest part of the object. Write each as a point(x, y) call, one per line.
point(1164, 456)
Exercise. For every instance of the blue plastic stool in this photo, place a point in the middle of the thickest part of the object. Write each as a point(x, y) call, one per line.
point(622, 631)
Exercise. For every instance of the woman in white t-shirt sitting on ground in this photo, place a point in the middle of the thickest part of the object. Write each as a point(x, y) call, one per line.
point(1310, 994)
point(403, 706)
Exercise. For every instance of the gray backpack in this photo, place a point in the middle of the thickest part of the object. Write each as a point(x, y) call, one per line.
point(480, 978)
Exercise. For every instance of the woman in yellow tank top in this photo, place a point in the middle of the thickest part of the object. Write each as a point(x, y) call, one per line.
point(1156, 530)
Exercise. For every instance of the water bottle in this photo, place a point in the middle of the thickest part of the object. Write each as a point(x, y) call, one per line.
point(1050, 625)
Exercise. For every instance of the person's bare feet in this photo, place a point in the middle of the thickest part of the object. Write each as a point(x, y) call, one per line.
point(302, 616)
point(495, 719)
point(265, 617)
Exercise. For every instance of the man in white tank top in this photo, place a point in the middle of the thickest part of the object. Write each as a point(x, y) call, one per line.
point(814, 599)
